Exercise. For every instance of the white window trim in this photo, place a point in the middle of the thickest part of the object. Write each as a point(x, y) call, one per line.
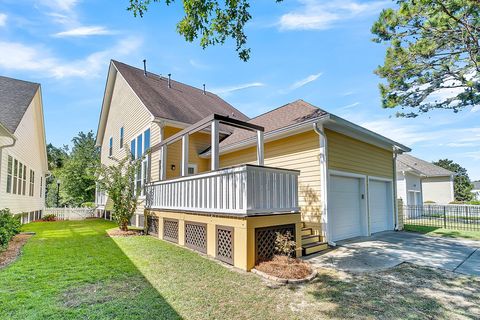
point(146, 160)
point(194, 166)
point(120, 137)
point(110, 141)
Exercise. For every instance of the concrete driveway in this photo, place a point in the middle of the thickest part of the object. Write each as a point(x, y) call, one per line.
point(388, 249)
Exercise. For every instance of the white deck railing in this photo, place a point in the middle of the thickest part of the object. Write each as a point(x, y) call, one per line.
point(243, 190)
point(70, 213)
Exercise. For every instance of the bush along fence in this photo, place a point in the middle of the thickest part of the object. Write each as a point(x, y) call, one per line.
point(459, 217)
point(70, 213)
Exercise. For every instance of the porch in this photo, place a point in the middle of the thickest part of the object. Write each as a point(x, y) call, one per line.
point(232, 214)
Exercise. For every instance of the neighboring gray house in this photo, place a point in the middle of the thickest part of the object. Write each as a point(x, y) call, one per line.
point(23, 155)
point(419, 181)
point(476, 190)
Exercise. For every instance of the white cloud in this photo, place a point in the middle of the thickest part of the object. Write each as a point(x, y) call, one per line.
point(85, 31)
point(305, 81)
point(3, 19)
point(60, 5)
point(475, 108)
point(322, 15)
point(227, 90)
point(18, 56)
point(349, 106)
point(198, 65)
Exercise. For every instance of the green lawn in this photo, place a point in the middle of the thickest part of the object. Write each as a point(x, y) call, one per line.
point(72, 270)
point(441, 232)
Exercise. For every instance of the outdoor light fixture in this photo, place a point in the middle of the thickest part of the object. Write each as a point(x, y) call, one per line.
point(172, 167)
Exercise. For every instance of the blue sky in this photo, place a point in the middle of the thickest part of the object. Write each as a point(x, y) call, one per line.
point(320, 51)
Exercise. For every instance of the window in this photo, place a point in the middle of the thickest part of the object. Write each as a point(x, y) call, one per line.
point(41, 187)
point(15, 175)
point(132, 148)
point(24, 180)
point(20, 178)
point(32, 183)
point(110, 147)
point(121, 137)
point(138, 147)
point(9, 174)
point(192, 169)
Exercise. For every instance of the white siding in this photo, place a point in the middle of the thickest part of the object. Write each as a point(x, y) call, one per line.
point(438, 189)
point(30, 150)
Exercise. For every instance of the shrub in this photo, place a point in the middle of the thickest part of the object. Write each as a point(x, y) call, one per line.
point(49, 217)
point(475, 202)
point(284, 245)
point(88, 205)
point(9, 227)
point(429, 201)
point(457, 202)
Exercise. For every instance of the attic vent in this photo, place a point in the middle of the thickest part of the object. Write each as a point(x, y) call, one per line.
point(169, 80)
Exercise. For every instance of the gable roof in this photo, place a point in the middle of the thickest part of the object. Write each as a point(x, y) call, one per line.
point(180, 102)
point(15, 97)
point(406, 162)
point(476, 185)
point(289, 114)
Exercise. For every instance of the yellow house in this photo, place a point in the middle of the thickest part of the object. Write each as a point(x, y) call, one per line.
point(223, 184)
point(23, 156)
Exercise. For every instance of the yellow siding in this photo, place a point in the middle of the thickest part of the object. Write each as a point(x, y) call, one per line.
point(351, 155)
point(299, 152)
point(30, 151)
point(198, 142)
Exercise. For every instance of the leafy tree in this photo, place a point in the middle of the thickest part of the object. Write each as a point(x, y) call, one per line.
point(57, 157)
point(433, 57)
point(463, 186)
point(212, 21)
point(118, 182)
point(78, 173)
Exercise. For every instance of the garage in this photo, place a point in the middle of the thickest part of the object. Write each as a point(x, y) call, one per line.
point(380, 205)
point(345, 205)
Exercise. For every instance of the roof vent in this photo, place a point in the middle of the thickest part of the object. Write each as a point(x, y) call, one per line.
point(145, 67)
point(169, 81)
point(204, 92)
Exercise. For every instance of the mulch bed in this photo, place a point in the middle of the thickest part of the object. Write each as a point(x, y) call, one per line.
point(120, 233)
point(13, 250)
point(285, 268)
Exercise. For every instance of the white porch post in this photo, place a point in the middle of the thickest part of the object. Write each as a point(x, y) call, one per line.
point(184, 168)
point(215, 159)
point(163, 162)
point(260, 148)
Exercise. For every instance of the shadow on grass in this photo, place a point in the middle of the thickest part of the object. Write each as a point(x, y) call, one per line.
point(72, 270)
point(406, 291)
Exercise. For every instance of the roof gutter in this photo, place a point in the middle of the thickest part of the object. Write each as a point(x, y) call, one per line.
point(7, 134)
point(271, 135)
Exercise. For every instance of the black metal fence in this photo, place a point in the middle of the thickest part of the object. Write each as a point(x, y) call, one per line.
point(459, 217)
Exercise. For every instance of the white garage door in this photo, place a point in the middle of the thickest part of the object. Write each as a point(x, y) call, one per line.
point(381, 212)
point(344, 207)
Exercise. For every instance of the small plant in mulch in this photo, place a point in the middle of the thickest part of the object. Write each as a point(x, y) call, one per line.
point(283, 265)
point(49, 217)
point(126, 233)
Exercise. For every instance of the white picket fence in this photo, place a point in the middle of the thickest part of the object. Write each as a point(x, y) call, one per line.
point(70, 213)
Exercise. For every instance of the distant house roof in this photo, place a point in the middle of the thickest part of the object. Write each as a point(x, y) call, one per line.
point(180, 102)
point(406, 162)
point(476, 185)
point(15, 97)
point(286, 115)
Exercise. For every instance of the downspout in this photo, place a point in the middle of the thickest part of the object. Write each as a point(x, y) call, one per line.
point(324, 178)
point(394, 186)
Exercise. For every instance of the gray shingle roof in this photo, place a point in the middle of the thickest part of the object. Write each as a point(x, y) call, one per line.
point(426, 168)
point(181, 102)
point(289, 114)
point(15, 97)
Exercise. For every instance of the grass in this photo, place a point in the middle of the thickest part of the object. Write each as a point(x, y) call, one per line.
point(441, 232)
point(72, 270)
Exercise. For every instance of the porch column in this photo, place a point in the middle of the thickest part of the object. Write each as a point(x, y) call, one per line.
point(260, 148)
point(215, 160)
point(184, 168)
point(163, 162)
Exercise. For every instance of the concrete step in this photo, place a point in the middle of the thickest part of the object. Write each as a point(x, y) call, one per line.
point(307, 231)
point(314, 247)
point(310, 239)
